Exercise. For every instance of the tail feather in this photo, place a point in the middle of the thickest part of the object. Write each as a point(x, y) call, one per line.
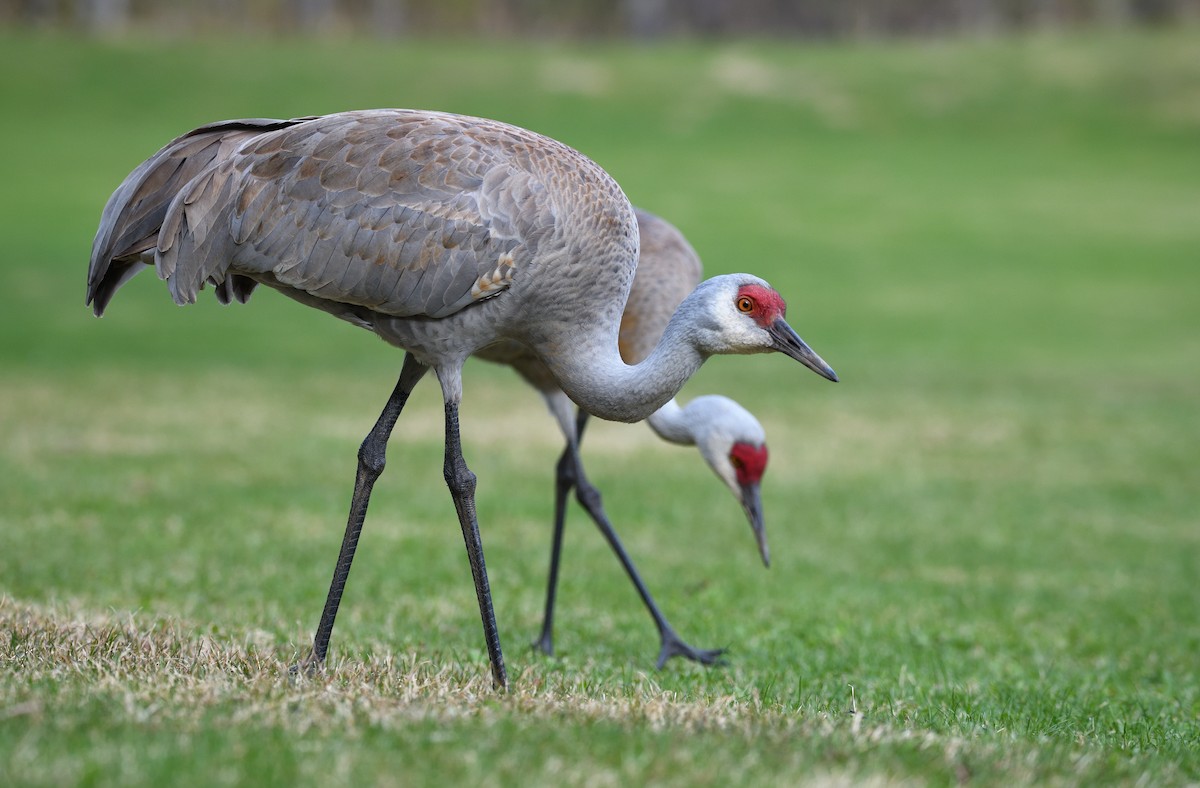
point(134, 214)
point(235, 288)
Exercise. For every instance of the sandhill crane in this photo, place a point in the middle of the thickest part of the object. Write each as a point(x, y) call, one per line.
point(728, 436)
point(442, 234)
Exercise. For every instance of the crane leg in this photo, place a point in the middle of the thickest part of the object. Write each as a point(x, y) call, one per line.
point(461, 482)
point(571, 473)
point(564, 482)
point(371, 460)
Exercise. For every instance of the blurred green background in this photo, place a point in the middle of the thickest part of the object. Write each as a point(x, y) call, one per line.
point(989, 528)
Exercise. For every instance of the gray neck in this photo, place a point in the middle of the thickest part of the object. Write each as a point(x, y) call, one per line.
point(670, 424)
point(592, 373)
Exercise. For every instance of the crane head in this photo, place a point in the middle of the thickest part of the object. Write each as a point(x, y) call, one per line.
point(749, 317)
point(734, 445)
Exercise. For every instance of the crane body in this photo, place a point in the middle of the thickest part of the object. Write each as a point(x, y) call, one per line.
point(443, 234)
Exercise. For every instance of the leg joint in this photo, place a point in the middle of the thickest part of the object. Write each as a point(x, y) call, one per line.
point(459, 478)
point(372, 455)
point(588, 496)
point(565, 470)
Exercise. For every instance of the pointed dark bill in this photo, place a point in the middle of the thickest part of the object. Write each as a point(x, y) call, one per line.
point(752, 503)
point(789, 342)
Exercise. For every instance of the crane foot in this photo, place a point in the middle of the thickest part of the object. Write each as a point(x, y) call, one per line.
point(306, 668)
point(672, 646)
point(544, 644)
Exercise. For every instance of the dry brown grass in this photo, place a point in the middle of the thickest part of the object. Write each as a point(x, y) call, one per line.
point(164, 668)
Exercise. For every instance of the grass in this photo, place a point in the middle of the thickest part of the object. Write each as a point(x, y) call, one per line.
point(985, 538)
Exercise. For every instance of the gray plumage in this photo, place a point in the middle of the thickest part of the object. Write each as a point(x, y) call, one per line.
point(441, 233)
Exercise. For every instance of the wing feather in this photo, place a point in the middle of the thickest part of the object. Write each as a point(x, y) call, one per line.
point(399, 212)
point(133, 215)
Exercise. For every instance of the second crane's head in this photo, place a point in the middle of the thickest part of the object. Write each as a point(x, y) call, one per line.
point(746, 315)
point(734, 445)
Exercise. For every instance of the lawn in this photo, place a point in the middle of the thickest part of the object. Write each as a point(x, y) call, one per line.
point(986, 538)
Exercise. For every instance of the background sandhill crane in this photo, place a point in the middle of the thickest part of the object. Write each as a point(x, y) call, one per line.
point(729, 438)
point(442, 234)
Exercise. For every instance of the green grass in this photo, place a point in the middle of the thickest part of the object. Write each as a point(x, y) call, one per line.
point(986, 538)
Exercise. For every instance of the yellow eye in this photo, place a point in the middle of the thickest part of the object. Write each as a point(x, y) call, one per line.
point(745, 305)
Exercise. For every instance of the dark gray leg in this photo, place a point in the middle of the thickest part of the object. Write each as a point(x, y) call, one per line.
point(564, 482)
point(371, 460)
point(570, 472)
point(461, 482)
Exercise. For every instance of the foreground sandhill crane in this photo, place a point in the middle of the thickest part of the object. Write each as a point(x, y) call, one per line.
point(442, 234)
point(729, 438)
